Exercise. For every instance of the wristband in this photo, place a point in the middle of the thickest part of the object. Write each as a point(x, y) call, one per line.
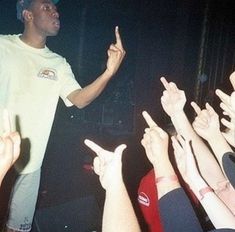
point(166, 179)
point(204, 191)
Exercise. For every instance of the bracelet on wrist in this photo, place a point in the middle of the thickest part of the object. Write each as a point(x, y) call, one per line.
point(204, 191)
point(172, 178)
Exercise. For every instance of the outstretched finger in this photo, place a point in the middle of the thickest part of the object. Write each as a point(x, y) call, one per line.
point(119, 150)
point(118, 38)
point(227, 124)
point(93, 146)
point(148, 119)
point(227, 110)
point(223, 96)
point(165, 83)
point(210, 109)
point(196, 108)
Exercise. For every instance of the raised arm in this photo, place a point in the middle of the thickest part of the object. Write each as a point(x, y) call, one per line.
point(155, 143)
point(173, 101)
point(176, 210)
point(219, 214)
point(86, 95)
point(118, 212)
point(207, 125)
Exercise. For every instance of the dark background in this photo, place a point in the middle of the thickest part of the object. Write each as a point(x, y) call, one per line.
point(188, 42)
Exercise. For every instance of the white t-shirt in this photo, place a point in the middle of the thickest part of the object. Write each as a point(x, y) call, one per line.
point(31, 82)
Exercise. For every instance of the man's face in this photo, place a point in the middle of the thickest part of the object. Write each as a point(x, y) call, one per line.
point(45, 18)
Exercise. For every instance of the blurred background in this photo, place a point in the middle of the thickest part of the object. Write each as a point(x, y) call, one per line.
point(188, 42)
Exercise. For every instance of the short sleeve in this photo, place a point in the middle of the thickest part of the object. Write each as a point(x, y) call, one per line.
point(68, 82)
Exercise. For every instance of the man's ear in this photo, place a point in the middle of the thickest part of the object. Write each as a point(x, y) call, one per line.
point(27, 15)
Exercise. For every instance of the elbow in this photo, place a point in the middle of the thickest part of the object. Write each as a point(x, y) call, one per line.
point(81, 105)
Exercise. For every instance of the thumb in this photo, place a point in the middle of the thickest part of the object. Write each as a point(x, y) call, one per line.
point(119, 150)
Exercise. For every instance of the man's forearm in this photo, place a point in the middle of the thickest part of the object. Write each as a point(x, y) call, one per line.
point(119, 214)
point(86, 95)
point(219, 146)
point(208, 166)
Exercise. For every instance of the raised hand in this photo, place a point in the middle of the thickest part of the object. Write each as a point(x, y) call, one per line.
point(228, 107)
point(173, 99)
point(155, 141)
point(184, 159)
point(227, 103)
point(9, 146)
point(107, 165)
point(206, 124)
point(116, 54)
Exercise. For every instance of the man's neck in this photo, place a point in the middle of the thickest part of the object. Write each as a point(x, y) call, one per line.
point(33, 40)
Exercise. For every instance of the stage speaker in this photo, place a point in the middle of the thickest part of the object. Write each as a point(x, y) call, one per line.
point(80, 215)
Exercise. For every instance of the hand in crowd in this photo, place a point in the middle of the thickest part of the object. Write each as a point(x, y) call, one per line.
point(227, 103)
point(173, 99)
point(219, 214)
point(155, 141)
point(185, 160)
point(116, 53)
point(118, 213)
point(206, 124)
point(108, 165)
point(228, 107)
point(9, 146)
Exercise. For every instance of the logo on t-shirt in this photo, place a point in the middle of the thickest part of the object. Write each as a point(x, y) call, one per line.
point(48, 73)
point(143, 199)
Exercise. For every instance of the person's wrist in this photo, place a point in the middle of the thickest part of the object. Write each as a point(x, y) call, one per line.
point(177, 113)
point(158, 161)
point(114, 185)
point(215, 137)
point(164, 179)
point(108, 73)
point(204, 191)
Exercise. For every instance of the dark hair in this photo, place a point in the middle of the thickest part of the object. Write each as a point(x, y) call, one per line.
point(21, 5)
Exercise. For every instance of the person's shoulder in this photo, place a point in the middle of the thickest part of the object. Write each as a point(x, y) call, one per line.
point(54, 54)
point(7, 39)
point(147, 180)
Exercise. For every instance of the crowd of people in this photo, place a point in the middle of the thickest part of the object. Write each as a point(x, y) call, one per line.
point(205, 162)
point(203, 155)
point(199, 171)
